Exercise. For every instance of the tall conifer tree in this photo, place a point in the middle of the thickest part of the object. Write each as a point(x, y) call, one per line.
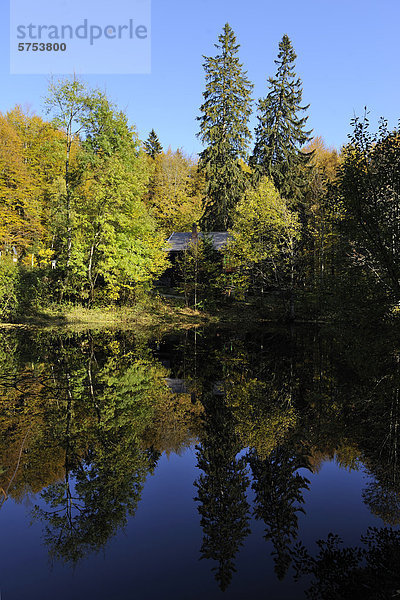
point(152, 145)
point(224, 130)
point(281, 132)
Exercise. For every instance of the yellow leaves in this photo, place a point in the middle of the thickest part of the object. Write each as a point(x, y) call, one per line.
point(245, 167)
point(348, 456)
point(176, 191)
point(96, 212)
point(43, 257)
point(115, 347)
point(29, 260)
point(261, 424)
point(324, 159)
point(23, 168)
point(176, 422)
point(263, 225)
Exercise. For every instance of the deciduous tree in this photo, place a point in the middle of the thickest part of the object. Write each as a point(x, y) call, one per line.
point(177, 190)
point(369, 188)
point(264, 232)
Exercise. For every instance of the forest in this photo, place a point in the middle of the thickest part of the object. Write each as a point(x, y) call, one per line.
point(87, 417)
point(228, 385)
point(86, 206)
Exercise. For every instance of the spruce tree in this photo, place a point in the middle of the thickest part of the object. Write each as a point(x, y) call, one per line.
point(281, 132)
point(224, 130)
point(221, 489)
point(278, 488)
point(152, 145)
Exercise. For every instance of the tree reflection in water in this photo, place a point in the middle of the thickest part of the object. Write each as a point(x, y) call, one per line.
point(85, 418)
point(221, 490)
point(368, 572)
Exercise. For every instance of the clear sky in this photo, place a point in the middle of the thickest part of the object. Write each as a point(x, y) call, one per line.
point(347, 57)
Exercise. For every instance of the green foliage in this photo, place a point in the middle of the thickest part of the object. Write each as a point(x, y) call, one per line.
point(369, 189)
point(84, 417)
point(113, 246)
point(321, 216)
point(264, 415)
point(176, 190)
point(69, 103)
point(279, 489)
point(221, 491)
point(224, 129)
point(9, 283)
point(23, 290)
point(281, 132)
point(152, 145)
point(369, 572)
point(116, 241)
point(199, 269)
point(264, 236)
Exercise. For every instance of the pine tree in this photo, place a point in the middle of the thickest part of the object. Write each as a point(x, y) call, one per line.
point(281, 133)
point(152, 145)
point(224, 130)
point(221, 490)
point(278, 488)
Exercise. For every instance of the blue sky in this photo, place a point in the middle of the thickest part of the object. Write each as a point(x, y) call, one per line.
point(347, 57)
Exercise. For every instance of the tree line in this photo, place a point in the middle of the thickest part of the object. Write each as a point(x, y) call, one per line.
point(86, 206)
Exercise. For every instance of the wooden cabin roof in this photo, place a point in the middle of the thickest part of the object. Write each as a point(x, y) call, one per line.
point(178, 241)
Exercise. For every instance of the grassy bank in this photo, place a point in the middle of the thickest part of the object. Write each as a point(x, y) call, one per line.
point(152, 313)
point(165, 313)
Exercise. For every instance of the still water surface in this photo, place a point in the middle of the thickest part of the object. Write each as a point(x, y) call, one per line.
point(200, 464)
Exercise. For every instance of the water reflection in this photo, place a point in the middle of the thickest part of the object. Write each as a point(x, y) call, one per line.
point(367, 572)
point(221, 489)
point(83, 424)
point(85, 418)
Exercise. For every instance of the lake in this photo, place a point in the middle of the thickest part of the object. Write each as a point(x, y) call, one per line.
point(201, 463)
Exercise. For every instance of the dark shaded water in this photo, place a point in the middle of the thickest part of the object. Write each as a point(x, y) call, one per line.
point(269, 454)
